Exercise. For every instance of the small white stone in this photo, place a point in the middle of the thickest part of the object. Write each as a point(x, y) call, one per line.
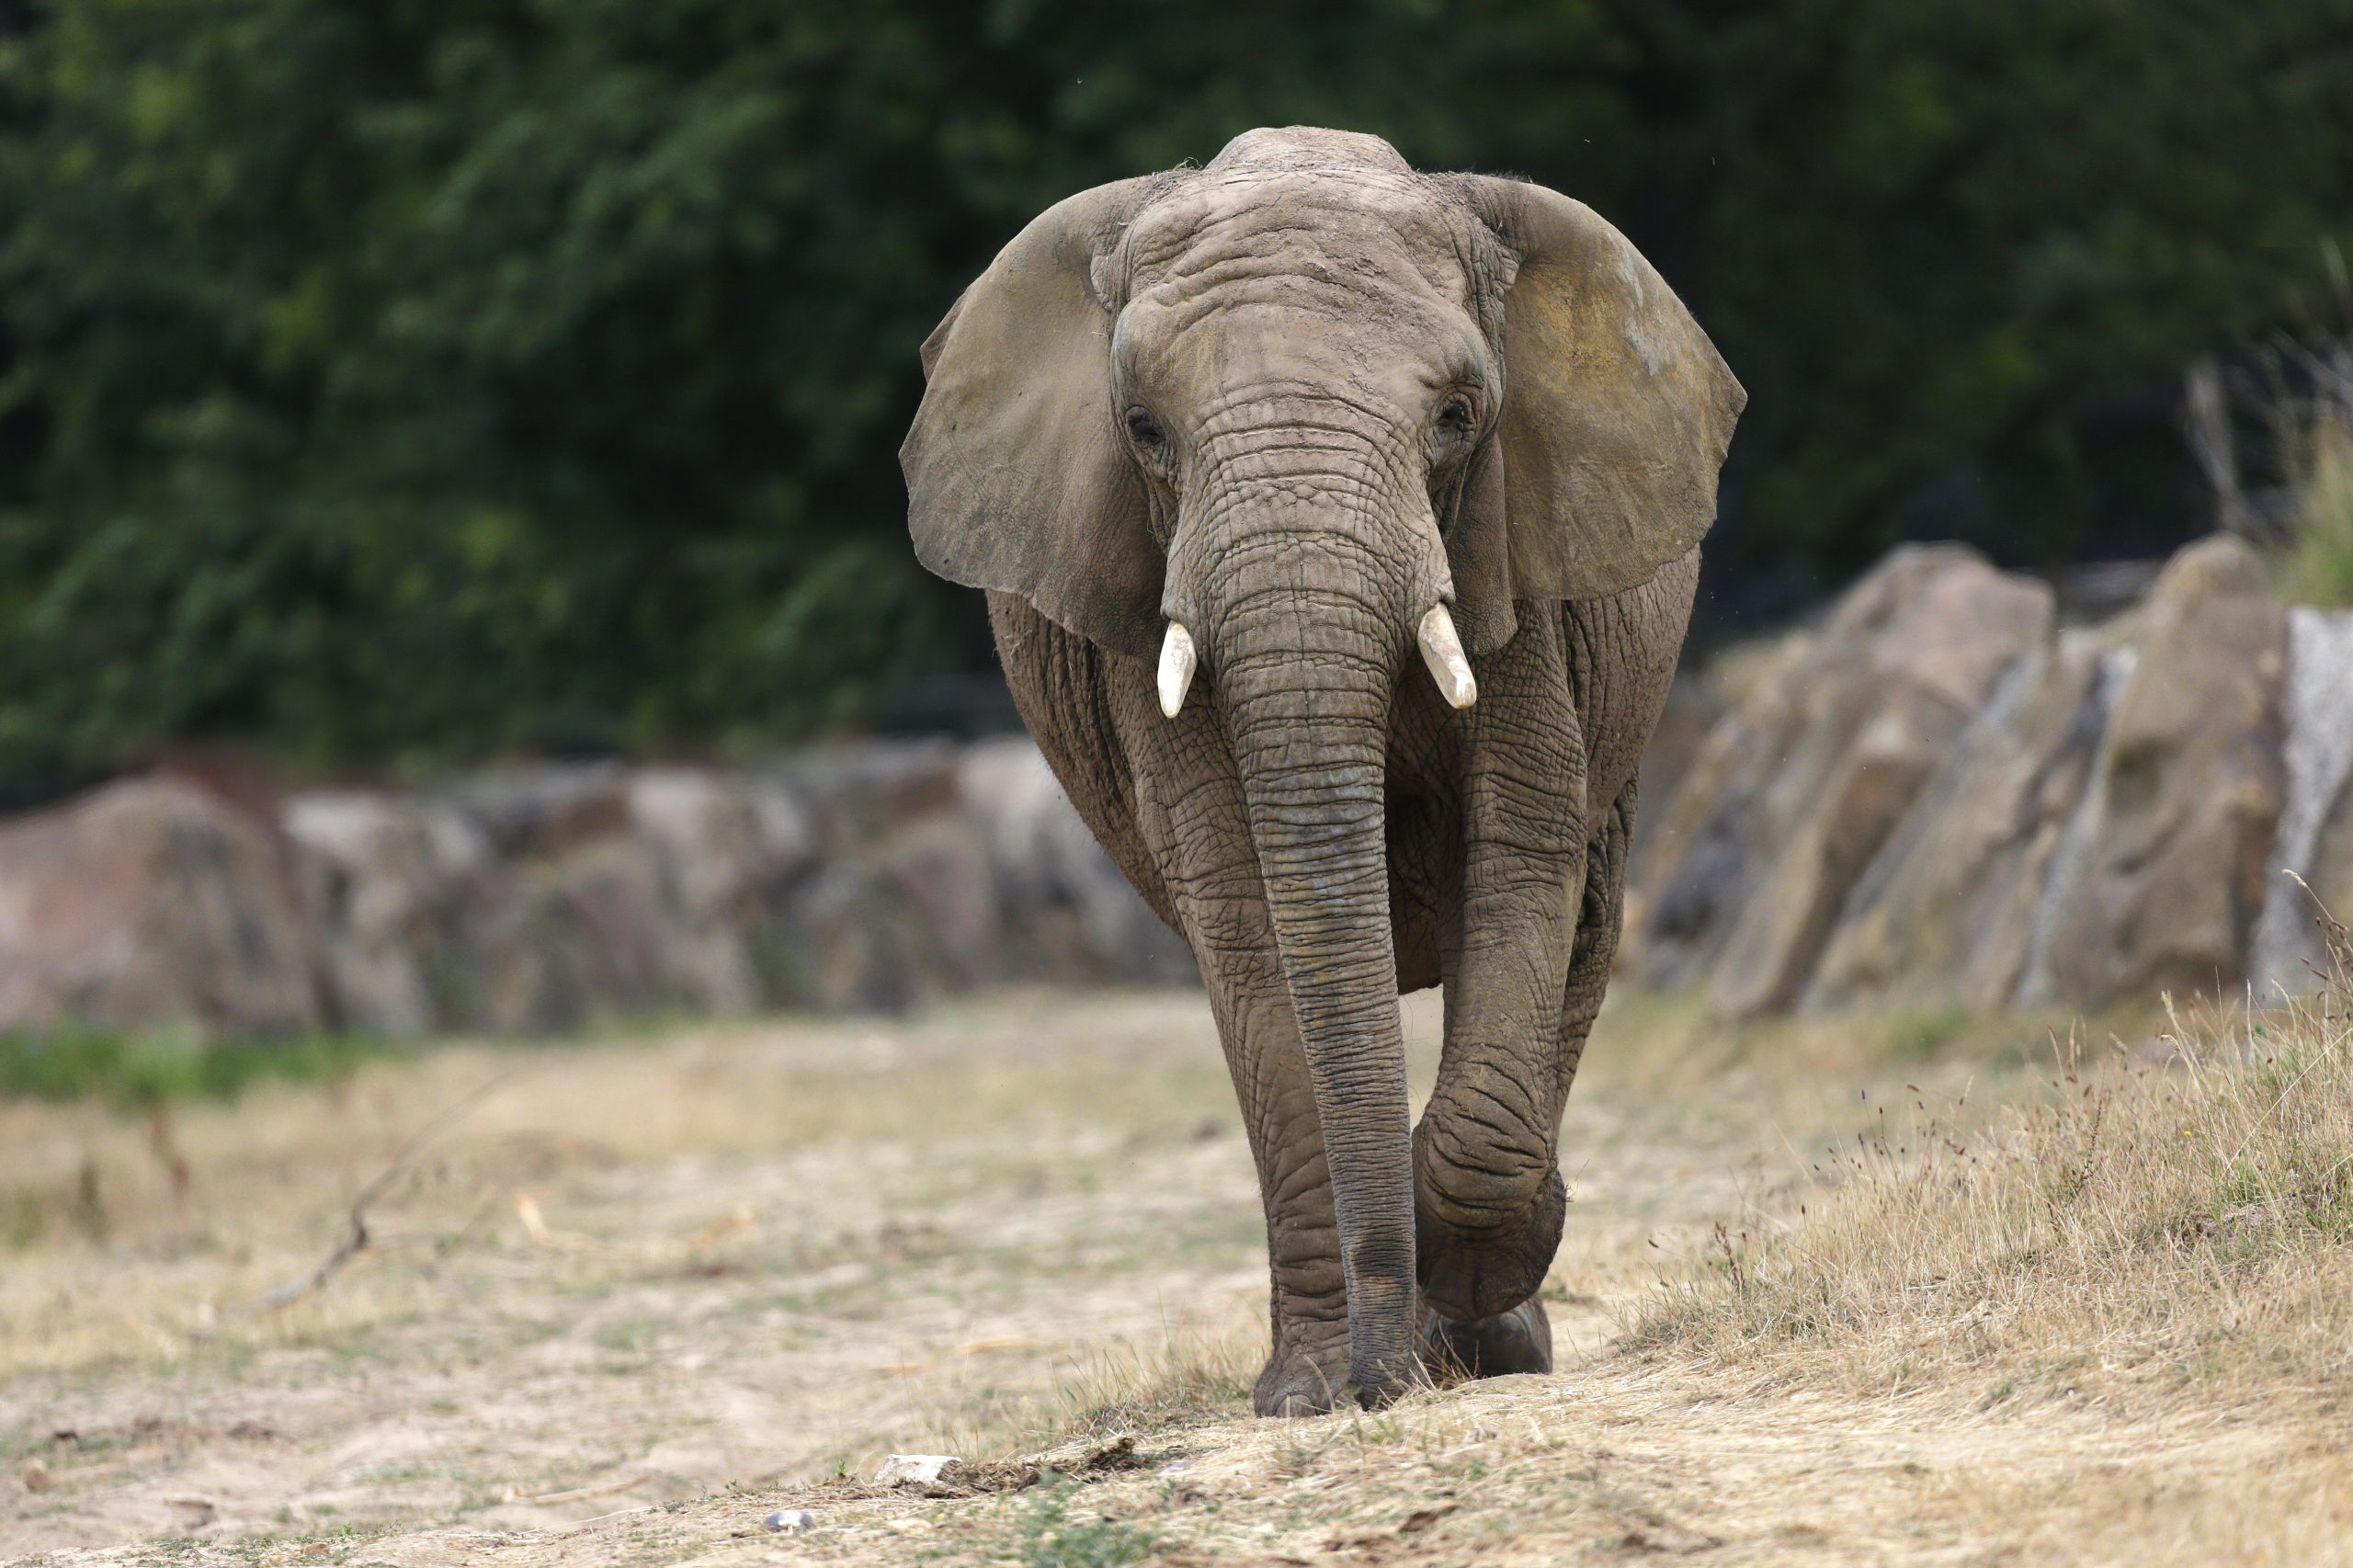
point(791, 1520)
point(913, 1467)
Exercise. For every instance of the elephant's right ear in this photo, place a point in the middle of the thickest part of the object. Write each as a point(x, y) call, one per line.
point(1016, 477)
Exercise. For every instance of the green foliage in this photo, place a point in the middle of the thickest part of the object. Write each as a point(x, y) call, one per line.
point(2316, 566)
point(440, 376)
point(132, 1071)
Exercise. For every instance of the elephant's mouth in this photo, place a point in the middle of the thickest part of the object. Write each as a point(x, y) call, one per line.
point(1441, 654)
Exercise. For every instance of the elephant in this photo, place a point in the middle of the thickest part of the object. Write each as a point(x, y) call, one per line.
point(1235, 450)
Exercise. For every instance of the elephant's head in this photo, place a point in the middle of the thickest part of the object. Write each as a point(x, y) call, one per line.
point(1314, 423)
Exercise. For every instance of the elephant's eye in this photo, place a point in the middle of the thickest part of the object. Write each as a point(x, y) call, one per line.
point(1454, 418)
point(1146, 429)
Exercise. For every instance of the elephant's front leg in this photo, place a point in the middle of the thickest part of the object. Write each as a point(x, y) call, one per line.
point(1488, 1192)
point(1189, 811)
point(1521, 1339)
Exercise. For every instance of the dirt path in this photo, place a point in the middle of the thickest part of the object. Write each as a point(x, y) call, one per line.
point(648, 1291)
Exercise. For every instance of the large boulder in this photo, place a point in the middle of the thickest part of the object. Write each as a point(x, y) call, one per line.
point(406, 899)
point(574, 928)
point(1782, 813)
point(898, 907)
point(721, 849)
point(1947, 912)
point(151, 904)
point(938, 870)
point(2177, 825)
point(849, 943)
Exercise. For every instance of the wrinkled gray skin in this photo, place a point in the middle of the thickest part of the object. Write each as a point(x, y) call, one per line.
point(1291, 400)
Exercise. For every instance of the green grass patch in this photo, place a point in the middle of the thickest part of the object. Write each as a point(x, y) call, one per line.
point(132, 1071)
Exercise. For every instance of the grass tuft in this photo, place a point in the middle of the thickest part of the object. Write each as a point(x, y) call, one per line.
point(2189, 1217)
point(1194, 1372)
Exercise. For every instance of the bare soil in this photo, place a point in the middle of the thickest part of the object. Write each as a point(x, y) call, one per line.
point(644, 1292)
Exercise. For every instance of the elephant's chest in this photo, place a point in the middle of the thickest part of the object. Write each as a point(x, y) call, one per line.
point(1426, 749)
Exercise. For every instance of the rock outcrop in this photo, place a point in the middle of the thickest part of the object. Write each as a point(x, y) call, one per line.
point(2184, 798)
point(1939, 797)
point(530, 900)
point(152, 905)
point(1771, 828)
point(404, 895)
point(1947, 913)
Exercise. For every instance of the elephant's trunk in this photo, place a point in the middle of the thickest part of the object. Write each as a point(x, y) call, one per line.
point(1305, 669)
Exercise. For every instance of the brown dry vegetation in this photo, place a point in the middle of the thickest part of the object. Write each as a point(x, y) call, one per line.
point(1897, 1288)
point(2174, 1230)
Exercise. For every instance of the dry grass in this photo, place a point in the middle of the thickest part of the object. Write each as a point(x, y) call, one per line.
point(1189, 1371)
point(760, 1252)
point(1195, 1366)
point(795, 1143)
point(2151, 1229)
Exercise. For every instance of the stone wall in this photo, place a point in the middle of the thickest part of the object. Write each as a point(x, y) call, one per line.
point(861, 877)
point(1941, 795)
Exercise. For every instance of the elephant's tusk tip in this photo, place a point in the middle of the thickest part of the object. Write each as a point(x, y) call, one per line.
point(1177, 660)
point(1442, 651)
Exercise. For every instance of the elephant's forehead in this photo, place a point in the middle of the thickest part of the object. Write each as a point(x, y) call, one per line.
point(1205, 354)
point(1369, 229)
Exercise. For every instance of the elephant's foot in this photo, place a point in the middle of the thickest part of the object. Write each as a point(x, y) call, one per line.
point(1472, 1276)
point(1309, 1375)
point(1303, 1379)
point(1517, 1341)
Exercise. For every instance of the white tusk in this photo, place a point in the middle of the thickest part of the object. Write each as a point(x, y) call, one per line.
point(1176, 660)
point(1442, 651)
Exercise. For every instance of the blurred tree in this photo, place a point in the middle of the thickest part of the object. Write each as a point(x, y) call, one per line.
point(431, 378)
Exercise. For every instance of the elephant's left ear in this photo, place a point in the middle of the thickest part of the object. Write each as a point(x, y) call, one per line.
point(1016, 481)
point(1616, 409)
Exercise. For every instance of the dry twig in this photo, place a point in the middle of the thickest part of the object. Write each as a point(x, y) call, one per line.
point(357, 1237)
